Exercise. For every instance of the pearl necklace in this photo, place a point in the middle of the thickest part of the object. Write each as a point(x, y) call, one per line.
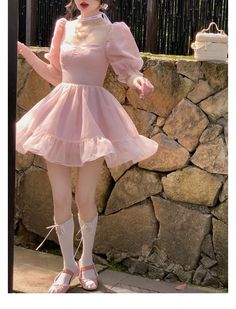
point(81, 32)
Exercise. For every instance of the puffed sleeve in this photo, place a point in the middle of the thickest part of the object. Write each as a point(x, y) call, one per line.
point(53, 56)
point(123, 54)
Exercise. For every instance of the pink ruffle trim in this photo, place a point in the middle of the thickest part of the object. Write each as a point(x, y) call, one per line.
point(77, 153)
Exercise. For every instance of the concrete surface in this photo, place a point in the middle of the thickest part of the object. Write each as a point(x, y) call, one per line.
point(34, 272)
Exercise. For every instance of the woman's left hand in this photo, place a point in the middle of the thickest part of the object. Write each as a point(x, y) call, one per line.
point(144, 86)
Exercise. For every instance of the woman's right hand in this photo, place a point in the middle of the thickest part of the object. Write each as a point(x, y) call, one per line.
point(20, 47)
point(27, 53)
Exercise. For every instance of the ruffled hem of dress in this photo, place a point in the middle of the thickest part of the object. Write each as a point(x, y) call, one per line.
point(75, 154)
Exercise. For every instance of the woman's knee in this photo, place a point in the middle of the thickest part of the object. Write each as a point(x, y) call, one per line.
point(62, 198)
point(83, 198)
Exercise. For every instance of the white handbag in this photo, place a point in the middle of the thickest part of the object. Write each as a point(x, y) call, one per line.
point(211, 46)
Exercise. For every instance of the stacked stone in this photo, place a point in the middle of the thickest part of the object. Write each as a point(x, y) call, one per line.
point(167, 215)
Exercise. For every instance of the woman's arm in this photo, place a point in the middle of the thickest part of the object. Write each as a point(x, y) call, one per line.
point(50, 72)
point(142, 84)
point(124, 56)
point(47, 71)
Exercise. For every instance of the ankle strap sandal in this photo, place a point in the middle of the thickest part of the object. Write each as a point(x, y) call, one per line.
point(60, 287)
point(87, 283)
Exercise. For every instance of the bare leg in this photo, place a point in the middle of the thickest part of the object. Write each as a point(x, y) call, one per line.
point(88, 176)
point(60, 179)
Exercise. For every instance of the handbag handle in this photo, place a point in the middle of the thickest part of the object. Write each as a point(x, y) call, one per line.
point(213, 23)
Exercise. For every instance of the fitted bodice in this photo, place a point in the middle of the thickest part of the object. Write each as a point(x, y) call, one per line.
point(83, 58)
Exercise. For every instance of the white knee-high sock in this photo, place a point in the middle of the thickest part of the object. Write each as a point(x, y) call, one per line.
point(88, 230)
point(65, 234)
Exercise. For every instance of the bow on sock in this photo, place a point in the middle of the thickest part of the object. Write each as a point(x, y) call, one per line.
point(59, 230)
point(84, 225)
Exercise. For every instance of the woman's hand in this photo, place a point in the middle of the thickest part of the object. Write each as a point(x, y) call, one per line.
point(21, 47)
point(25, 51)
point(144, 86)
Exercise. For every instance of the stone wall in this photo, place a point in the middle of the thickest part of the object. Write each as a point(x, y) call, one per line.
point(166, 216)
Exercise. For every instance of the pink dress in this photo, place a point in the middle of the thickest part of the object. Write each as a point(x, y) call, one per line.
point(79, 120)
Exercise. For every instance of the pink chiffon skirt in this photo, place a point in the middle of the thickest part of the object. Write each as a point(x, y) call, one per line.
point(77, 123)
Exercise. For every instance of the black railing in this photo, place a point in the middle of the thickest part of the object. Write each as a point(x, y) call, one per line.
point(175, 22)
point(22, 21)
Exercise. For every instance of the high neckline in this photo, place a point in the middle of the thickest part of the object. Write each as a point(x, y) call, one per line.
point(86, 18)
point(92, 19)
point(90, 23)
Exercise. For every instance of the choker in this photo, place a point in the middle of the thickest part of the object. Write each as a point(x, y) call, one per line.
point(100, 15)
point(89, 17)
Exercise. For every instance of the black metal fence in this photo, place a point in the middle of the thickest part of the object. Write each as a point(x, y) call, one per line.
point(177, 21)
point(22, 21)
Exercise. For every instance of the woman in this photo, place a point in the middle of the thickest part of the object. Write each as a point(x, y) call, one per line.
point(79, 123)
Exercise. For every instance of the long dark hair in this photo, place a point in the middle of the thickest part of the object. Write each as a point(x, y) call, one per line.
point(72, 12)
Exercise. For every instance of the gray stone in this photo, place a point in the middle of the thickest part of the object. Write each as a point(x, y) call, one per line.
point(209, 280)
point(134, 186)
point(216, 106)
point(169, 89)
point(181, 231)
point(192, 185)
point(146, 250)
point(221, 212)
point(155, 272)
point(207, 246)
point(186, 124)
point(18, 177)
point(143, 120)
point(212, 157)
point(201, 91)
point(207, 262)
point(135, 266)
point(23, 70)
point(211, 132)
point(149, 60)
point(103, 188)
point(183, 276)
point(216, 74)
point(170, 155)
point(19, 112)
point(24, 161)
point(40, 161)
point(171, 278)
point(190, 69)
point(224, 192)
point(118, 232)
point(117, 172)
point(226, 132)
point(35, 88)
point(99, 260)
point(155, 131)
point(116, 256)
point(160, 121)
point(213, 271)
point(223, 121)
point(115, 87)
point(25, 238)
point(220, 242)
point(159, 258)
point(199, 275)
